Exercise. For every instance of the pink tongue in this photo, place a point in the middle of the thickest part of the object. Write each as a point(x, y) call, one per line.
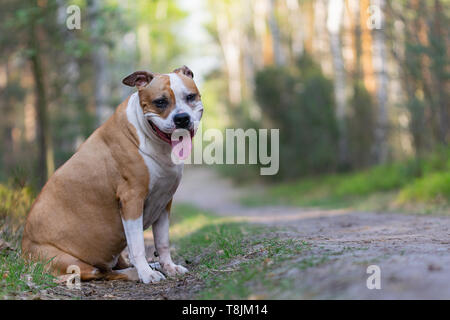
point(182, 148)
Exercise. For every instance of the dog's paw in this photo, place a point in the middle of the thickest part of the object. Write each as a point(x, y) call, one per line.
point(151, 276)
point(172, 269)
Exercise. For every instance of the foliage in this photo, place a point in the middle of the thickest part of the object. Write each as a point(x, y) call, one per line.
point(300, 102)
point(290, 93)
point(70, 72)
point(433, 188)
point(361, 127)
point(15, 201)
point(433, 185)
point(424, 65)
point(424, 180)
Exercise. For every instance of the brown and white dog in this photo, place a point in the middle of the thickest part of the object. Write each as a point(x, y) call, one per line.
point(119, 182)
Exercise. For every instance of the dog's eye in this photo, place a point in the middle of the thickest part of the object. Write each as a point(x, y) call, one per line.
point(160, 103)
point(191, 97)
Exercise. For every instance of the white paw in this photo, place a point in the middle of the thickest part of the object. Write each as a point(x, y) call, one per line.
point(172, 269)
point(151, 276)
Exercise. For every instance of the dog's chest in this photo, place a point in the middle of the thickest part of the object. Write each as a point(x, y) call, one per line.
point(163, 184)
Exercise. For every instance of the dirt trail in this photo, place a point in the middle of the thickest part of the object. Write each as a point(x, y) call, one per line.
point(413, 252)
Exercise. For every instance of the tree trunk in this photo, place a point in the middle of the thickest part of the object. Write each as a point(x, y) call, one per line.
point(404, 58)
point(355, 29)
point(275, 32)
point(366, 48)
point(334, 21)
point(99, 59)
point(441, 75)
point(229, 36)
point(309, 33)
point(46, 165)
point(260, 12)
point(295, 17)
point(380, 149)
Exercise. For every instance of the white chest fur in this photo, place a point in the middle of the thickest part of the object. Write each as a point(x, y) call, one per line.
point(163, 184)
point(164, 174)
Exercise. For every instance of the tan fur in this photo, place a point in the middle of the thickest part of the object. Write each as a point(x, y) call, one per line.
point(77, 217)
point(160, 87)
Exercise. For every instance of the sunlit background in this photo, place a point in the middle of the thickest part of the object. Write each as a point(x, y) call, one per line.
point(359, 90)
point(354, 86)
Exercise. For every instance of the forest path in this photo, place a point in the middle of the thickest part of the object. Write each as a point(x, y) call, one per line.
point(412, 251)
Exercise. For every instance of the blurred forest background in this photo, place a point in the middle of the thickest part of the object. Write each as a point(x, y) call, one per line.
point(349, 96)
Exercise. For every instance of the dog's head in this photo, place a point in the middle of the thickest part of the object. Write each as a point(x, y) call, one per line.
point(168, 101)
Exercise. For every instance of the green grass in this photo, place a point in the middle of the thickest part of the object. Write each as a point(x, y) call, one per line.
point(237, 260)
point(431, 188)
point(417, 183)
point(19, 278)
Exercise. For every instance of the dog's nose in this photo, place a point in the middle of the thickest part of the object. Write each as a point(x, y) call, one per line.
point(182, 120)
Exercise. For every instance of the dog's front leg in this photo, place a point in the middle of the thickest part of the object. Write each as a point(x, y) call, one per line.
point(134, 232)
point(161, 235)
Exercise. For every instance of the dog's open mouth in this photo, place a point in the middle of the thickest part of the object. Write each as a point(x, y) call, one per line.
point(167, 137)
point(164, 136)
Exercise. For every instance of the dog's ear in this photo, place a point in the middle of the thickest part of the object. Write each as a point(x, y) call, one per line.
point(138, 79)
point(186, 71)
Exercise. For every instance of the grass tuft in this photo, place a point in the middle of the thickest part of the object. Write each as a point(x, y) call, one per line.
point(19, 279)
point(433, 188)
point(237, 260)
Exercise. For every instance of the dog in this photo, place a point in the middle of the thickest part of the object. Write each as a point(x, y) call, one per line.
point(119, 182)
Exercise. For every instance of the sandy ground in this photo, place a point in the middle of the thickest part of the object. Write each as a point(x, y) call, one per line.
point(412, 251)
